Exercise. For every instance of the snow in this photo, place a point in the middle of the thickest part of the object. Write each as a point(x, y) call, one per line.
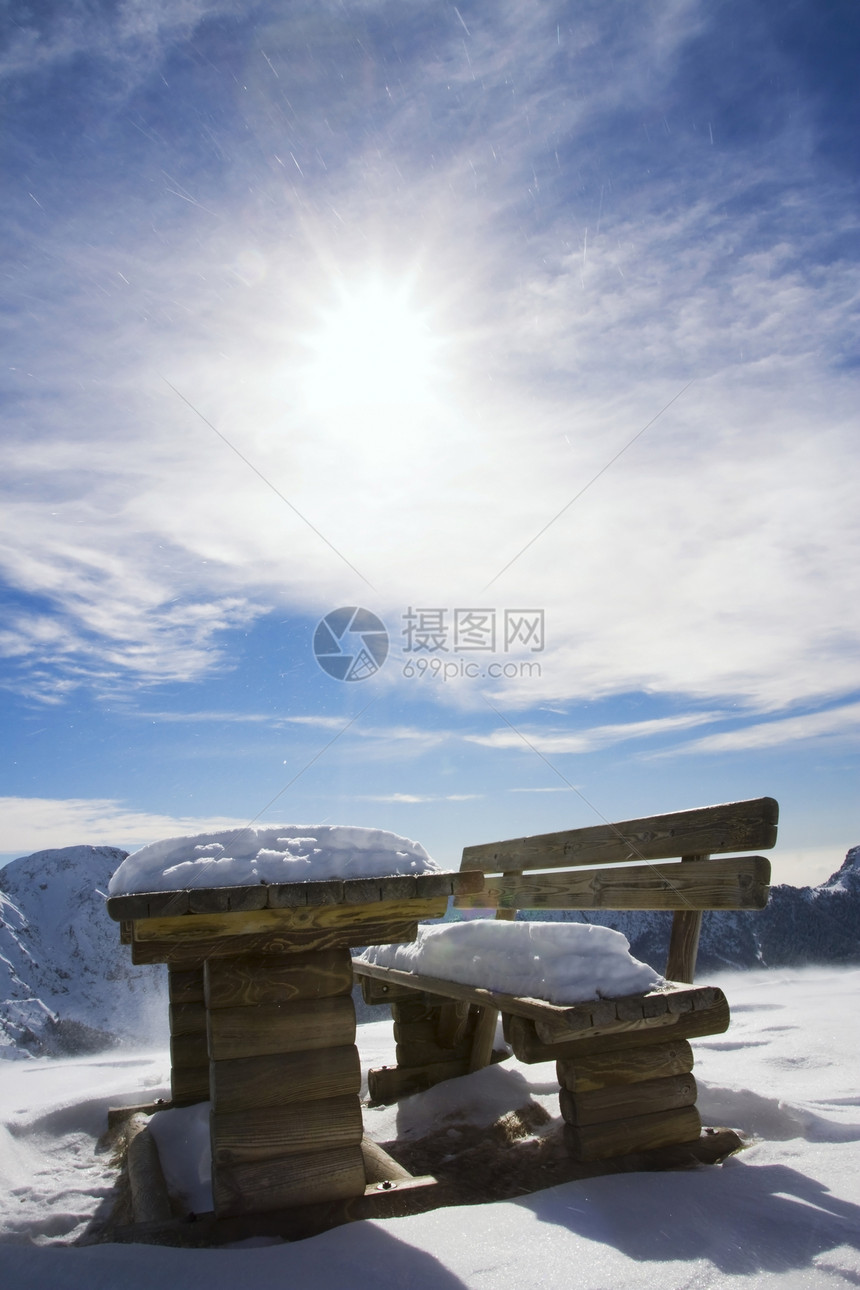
point(783, 1214)
point(561, 962)
point(275, 854)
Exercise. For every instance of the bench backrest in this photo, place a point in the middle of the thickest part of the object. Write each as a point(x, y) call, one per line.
point(560, 870)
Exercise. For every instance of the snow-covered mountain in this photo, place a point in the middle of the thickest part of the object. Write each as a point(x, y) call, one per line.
point(800, 925)
point(66, 983)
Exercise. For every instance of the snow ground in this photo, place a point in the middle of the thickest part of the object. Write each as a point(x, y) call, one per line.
point(785, 1213)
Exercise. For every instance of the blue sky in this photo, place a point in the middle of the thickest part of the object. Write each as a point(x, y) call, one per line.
point(497, 313)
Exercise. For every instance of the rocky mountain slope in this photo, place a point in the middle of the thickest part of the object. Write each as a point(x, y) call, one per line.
point(66, 983)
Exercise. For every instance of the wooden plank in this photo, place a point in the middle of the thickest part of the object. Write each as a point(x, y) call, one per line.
point(452, 1022)
point(708, 830)
point(638, 1133)
point(248, 980)
point(189, 1050)
point(523, 1038)
point(280, 1079)
point(206, 927)
point(483, 1039)
point(625, 1100)
point(684, 940)
point(631, 1066)
point(416, 1052)
point(150, 1202)
point(227, 900)
point(388, 1084)
point(275, 1028)
point(420, 1007)
point(239, 1137)
point(379, 992)
point(295, 895)
point(185, 986)
point(265, 1185)
point(739, 882)
point(187, 1018)
point(144, 904)
point(595, 1016)
point(193, 954)
point(189, 1085)
point(379, 1166)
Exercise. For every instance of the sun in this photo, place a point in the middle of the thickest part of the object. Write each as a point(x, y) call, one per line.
point(374, 348)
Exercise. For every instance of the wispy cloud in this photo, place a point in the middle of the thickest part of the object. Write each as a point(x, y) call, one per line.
point(417, 798)
point(841, 723)
point(37, 823)
point(583, 741)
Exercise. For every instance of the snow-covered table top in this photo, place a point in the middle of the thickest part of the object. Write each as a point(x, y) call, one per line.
point(277, 867)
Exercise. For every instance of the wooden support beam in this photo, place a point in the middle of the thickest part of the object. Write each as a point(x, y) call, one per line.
point(625, 1101)
point(150, 1202)
point(253, 979)
point(482, 1041)
point(452, 1022)
point(638, 1133)
point(189, 1084)
point(191, 928)
point(524, 1040)
point(388, 1084)
point(185, 986)
point(379, 1166)
point(274, 1028)
point(281, 1079)
point(300, 1128)
point(631, 1066)
point(193, 953)
point(684, 940)
point(280, 1182)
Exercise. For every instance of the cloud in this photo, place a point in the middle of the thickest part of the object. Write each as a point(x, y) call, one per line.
point(583, 741)
point(416, 799)
point(836, 723)
point(580, 257)
point(30, 824)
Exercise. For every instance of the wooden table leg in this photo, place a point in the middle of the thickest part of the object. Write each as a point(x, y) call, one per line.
point(284, 1081)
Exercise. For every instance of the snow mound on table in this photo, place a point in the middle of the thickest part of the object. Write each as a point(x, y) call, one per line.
point(275, 854)
point(560, 962)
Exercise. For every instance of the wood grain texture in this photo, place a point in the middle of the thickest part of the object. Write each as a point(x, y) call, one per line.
point(708, 830)
point(185, 986)
point(741, 882)
point(625, 1100)
point(453, 1022)
point(193, 954)
point(638, 1133)
point(293, 895)
point(187, 1018)
point(248, 980)
point(280, 1079)
point(555, 1021)
point(207, 927)
point(281, 1028)
point(189, 1050)
point(388, 1084)
point(189, 1084)
point(528, 1048)
point(239, 1137)
point(630, 1066)
point(291, 1180)
point(417, 1053)
point(483, 1039)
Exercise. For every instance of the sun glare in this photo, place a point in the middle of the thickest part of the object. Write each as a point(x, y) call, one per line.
point(374, 348)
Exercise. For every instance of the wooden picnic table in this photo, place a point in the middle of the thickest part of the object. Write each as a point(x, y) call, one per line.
point(262, 1021)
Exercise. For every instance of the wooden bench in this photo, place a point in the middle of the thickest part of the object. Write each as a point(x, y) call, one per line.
point(624, 1065)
